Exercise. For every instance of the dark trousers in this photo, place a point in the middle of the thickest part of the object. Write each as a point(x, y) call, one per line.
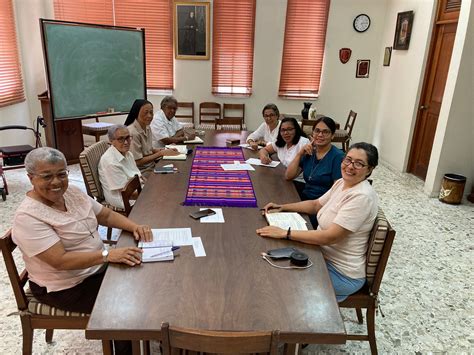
point(80, 298)
point(299, 188)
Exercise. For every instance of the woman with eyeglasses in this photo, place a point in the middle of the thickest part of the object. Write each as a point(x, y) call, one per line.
point(55, 228)
point(290, 140)
point(319, 160)
point(346, 214)
point(267, 132)
point(117, 166)
point(138, 122)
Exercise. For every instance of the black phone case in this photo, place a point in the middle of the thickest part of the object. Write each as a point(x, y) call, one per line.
point(281, 253)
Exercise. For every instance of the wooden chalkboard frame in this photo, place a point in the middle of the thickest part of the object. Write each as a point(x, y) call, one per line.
point(51, 84)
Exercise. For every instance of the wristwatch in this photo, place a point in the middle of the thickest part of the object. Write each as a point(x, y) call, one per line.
point(105, 255)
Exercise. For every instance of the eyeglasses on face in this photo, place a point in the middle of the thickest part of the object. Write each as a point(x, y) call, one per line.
point(287, 130)
point(61, 175)
point(269, 115)
point(355, 163)
point(123, 139)
point(324, 132)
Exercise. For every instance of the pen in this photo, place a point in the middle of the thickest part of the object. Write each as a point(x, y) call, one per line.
point(164, 252)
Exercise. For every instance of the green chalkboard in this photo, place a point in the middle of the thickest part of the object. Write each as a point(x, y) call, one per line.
point(92, 68)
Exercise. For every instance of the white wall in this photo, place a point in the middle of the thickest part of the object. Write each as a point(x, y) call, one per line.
point(453, 148)
point(399, 85)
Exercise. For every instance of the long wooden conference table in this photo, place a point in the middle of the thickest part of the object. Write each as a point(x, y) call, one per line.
point(230, 289)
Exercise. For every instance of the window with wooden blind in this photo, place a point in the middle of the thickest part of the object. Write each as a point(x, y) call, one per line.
point(153, 15)
point(11, 83)
point(233, 43)
point(303, 49)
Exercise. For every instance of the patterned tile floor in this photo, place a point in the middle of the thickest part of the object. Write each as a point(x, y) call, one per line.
point(426, 296)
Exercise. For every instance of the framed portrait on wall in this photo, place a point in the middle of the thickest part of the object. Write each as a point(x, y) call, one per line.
point(191, 30)
point(403, 30)
point(363, 68)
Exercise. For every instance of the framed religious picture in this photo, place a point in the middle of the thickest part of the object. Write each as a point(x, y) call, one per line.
point(387, 56)
point(363, 68)
point(191, 30)
point(403, 30)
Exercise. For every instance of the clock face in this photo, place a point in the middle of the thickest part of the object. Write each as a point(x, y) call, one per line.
point(361, 23)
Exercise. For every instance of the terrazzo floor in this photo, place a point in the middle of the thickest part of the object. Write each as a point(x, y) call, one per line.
point(426, 293)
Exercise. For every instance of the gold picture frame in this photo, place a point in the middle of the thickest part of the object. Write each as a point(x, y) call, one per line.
point(191, 30)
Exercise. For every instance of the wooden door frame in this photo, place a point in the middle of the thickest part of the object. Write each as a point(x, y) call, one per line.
point(440, 19)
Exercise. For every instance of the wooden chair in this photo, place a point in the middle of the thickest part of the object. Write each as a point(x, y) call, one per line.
point(208, 341)
point(96, 128)
point(33, 314)
point(208, 113)
point(307, 126)
point(343, 136)
point(380, 244)
point(233, 117)
point(132, 185)
point(185, 114)
point(89, 163)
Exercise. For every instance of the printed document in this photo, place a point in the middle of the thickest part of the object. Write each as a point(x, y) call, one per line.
point(175, 236)
point(216, 218)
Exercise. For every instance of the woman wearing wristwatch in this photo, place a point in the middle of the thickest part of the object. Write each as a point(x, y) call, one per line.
point(346, 214)
point(267, 132)
point(55, 228)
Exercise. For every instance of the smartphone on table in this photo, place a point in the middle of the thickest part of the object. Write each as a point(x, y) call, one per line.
point(203, 213)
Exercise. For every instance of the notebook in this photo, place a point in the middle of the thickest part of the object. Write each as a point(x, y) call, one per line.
point(285, 220)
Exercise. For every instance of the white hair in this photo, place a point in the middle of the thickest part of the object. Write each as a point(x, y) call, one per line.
point(44, 154)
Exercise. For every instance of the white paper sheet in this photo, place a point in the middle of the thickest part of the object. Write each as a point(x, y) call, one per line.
point(182, 149)
point(237, 167)
point(216, 218)
point(177, 237)
point(255, 161)
point(157, 254)
point(198, 247)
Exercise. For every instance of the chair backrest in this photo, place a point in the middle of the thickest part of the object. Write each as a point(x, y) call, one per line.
point(89, 162)
point(185, 112)
point(380, 244)
point(17, 280)
point(350, 122)
point(307, 123)
point(208, 341)
point(232, 114)
point(132, 185)
point(209, 112)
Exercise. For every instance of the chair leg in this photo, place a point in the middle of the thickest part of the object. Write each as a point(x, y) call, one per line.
point(371, 329)
point(49, 335)
point(27, 335)
point(360, 318)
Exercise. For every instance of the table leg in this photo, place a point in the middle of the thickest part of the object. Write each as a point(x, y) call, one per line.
point(136, 350)
point(291, 349)
point(107, 347)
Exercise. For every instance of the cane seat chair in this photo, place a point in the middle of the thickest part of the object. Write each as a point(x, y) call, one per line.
point(233, 117)
point(380, 243)
point(208, 113)
point(207, 341)
point(343, 136)
point(185, 114)
point(89, 163)
point(34, 314)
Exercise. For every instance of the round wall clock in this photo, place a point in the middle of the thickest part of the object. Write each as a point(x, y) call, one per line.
point(361, 23)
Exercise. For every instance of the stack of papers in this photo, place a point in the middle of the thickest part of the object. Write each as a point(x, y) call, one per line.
point(286, 220)
point(168, 237)
point(157, 254)
point(247, 146)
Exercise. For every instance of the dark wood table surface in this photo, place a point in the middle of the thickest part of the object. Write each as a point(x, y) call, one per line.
point(232, 288)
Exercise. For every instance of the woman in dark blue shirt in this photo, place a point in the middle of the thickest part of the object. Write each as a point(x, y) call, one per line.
point(319, 160)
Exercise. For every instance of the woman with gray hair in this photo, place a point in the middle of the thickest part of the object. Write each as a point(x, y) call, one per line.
point(55, 228)
point(117, 166)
